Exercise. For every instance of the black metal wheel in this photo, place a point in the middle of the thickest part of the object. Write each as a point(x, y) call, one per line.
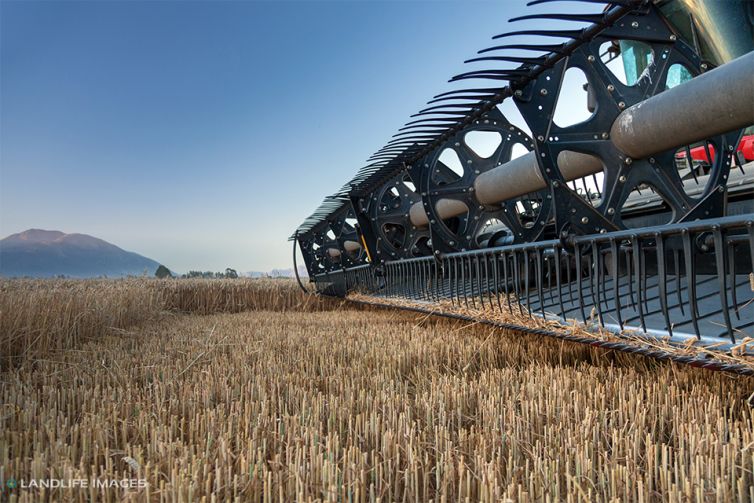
point(625, 192)
point(389, 207)
point(475, 225)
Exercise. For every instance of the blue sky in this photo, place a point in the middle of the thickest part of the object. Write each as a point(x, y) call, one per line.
point(201, 134)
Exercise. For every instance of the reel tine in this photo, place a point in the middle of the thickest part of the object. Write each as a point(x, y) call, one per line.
point(626, 3)
point(517, 281)
point(478, 280)
point(584, 18)
point(504, 259)
point(463, 283)
point(558, 281)
point(526, 281)
point(538, 271)
point(485, 90)
point(630, 277)
point(661, 280)
point(445, 106)
point(689, 264)
point(732, 275)
point(420, 131)
point(496, 274)
point(616, 280)
point(717, 236)
point(557, 48)
point(433, 119)
point(442, 112)
point(677, 271)
point(572, 34)
point(596, 274)
point(473, 97)
point(569, 279)
point(509, 59)
point(487, 280)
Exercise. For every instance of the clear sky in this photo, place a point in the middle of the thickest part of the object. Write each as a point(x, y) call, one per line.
point(200, 134)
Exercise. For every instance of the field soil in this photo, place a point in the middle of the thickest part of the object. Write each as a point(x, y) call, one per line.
point(338, 403)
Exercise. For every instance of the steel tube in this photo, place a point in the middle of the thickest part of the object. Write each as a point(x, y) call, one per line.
point(715, 102)
point(351, 246)
point(446, 208)
point(507, 181)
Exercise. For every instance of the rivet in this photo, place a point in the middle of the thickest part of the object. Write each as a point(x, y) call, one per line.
point(635, 24)
point(543, 92)
point(590, 59)
point(584, 220)
point(611, 211)
point(611, 88)
point(628, 160)
point(605, 136)
point(622, 179)
point(622, 105)
point(541, 138)
point(673, 38)
point(518, 93)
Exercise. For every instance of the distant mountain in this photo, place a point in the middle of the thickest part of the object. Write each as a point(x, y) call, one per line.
point(278, 273)
point(38, 253)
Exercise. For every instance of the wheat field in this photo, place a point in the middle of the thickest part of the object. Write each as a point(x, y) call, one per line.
point(210, 390)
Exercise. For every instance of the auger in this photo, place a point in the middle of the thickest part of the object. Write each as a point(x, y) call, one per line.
point(637, 216)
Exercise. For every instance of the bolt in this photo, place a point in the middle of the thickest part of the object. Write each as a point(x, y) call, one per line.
point(611, 87)
point(451, 243)
point(673, 38)
point(543, 92)
point(603, 231)
point(518, 93)
point(651, 160)
point(457, 144)
point(635, 24)
point(584, 220)
point(555, 184)
point(590, 59)
point(628, 160)
point(622, 179)
point(605, 136)
point(471, 189)
point(721, 189)
point(611, 211)
point(431, 221)
point(541, 138)
point(704, 66)
point(622, 105)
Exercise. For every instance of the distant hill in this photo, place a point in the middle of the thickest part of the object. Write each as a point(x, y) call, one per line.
point(278, 273)
point(38, 253)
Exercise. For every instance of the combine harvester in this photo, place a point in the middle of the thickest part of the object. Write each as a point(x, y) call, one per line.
point(637, 220)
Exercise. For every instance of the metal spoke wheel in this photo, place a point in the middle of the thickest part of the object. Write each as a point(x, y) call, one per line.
point(458, 221)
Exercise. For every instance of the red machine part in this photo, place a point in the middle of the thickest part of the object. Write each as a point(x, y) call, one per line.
point(746, 147)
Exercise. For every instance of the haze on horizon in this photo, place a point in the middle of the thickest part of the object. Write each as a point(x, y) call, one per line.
point(201, 134)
